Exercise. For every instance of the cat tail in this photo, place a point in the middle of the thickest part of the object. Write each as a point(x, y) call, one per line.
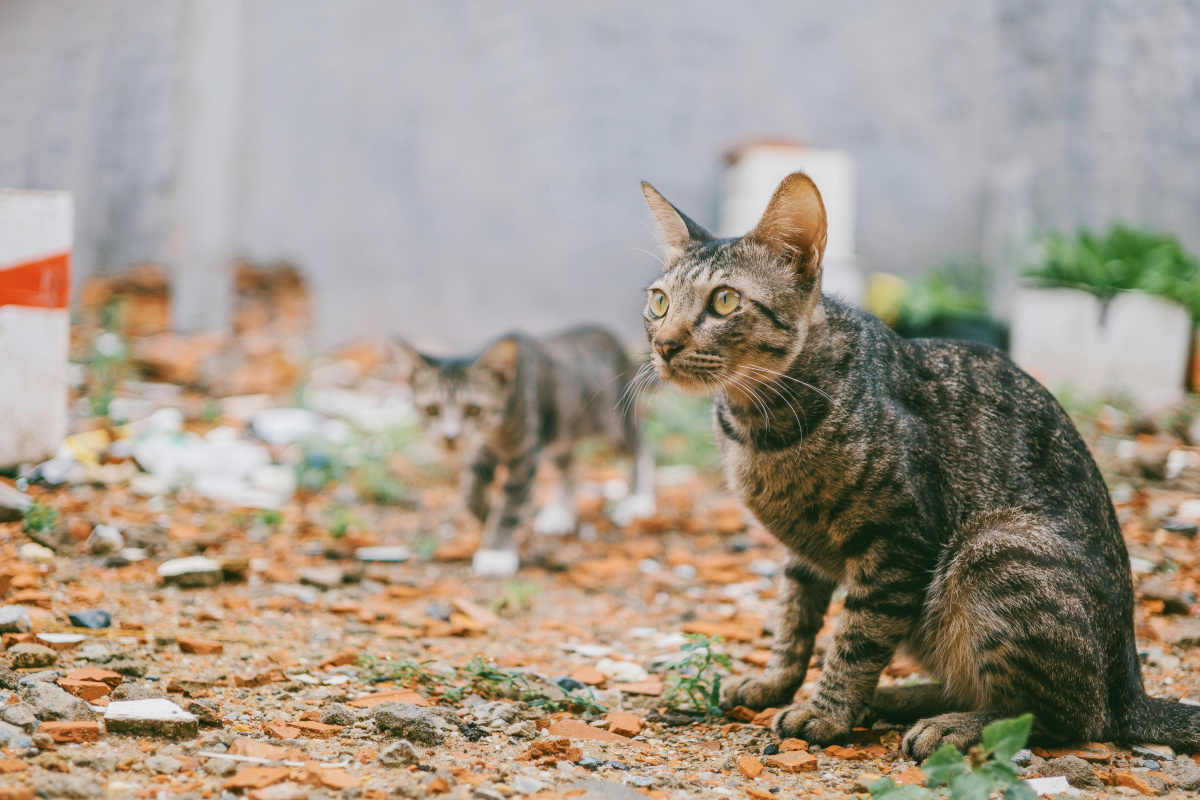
point(1154, 720)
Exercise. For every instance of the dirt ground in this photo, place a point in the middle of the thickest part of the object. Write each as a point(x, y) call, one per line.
point(308, 664)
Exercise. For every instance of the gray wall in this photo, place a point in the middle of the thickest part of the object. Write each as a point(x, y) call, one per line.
point(456, 168)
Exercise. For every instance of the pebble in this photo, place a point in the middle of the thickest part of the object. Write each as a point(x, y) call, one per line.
point(590, 762)
point(526, 785)
point(49, 702)
point(1078, 772)
point(31, 656)
point(1184, 772)
point(400, 754)
point(324, 578)
point(392, 554)
point(90, 619)
point(622, 671)
point(773, 748)
point(104, 539)
point(191, 573)
point(20, 715)
point(76, 787)
point(163, 765)
point(338, 714)
point(1159, 752)
point(14, 619)
point(156, 717)
point(35, 553)
point(13, 503)
point(409, 722)
point(14, 737)
point(136, 691)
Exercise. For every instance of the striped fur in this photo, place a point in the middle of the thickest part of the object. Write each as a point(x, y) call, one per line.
point(941, 486)
point(520, 401)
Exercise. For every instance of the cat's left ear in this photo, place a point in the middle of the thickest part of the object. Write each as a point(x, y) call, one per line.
point(678, 229)
point(794, 223)
point(411, 361)
point(500, 358)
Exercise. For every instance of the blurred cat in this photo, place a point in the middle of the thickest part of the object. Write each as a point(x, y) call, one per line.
point(520, 401)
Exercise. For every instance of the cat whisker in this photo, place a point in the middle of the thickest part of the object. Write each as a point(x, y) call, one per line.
point(797, 380)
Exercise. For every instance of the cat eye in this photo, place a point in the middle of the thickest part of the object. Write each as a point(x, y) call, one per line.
point(658, 303)
point(471, 411)
point(725, 300)
point(431, 410)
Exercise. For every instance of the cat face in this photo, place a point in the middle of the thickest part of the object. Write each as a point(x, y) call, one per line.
point(728, 313)
point(461, 402)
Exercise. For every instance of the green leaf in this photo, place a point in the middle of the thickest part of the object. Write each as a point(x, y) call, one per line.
point(886, 789)
point(942, 766)
point(970, 786)
point(1005, 737)
point(1019, 791)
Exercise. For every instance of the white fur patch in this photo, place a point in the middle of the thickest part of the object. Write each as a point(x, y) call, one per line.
point(554, 520)
point(636, 506)
point(495, 563)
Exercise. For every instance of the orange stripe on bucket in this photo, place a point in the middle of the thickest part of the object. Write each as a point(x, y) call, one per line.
point(44, 283)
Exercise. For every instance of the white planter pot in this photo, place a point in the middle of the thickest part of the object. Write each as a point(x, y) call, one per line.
point(1136, 345)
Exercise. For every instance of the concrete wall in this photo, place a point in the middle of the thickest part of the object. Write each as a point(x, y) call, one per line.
point(458, 168)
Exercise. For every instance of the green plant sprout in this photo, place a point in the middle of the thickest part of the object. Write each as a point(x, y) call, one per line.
point(517, 596)
point(39, 518)
point(696, 678)
point(985, 770)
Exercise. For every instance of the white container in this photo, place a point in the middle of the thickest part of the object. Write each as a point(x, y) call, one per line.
point(1134, 346)
point(755, 172)
point(35, 266)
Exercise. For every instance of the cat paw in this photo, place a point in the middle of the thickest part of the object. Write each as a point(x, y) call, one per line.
point(554, 521)
point(755, 691)
point(929, 735)
point(805, 721)
point(634, 507)
point(495, 563)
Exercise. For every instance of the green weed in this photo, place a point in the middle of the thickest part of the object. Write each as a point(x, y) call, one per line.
point(696, 679)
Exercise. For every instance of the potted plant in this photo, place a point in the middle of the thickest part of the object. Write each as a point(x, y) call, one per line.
point(950, 303)
point(1109, 315)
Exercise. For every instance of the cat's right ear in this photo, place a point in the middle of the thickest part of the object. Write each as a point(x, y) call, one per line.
point(411, 362)
point(678, 229)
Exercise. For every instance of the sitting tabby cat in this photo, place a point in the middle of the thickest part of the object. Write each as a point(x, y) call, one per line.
point(518, 402)
point(944, 488)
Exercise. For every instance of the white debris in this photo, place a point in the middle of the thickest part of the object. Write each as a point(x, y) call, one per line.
point(282, 426)
point(622, 671)
point(1048, 786)
point(35, 553)
point(394, 553)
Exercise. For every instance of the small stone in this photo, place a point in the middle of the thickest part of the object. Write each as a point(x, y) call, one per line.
point(31, 656)
point(622, 671)
point(1158, 752)
point(1147, 783)
point(863, 782)
point(13, 503)
point(640, 780)
point(137, 691)
point(322, 577)
point(104, 539)
point(86, 690)
point(35, 553)
point(21, 715)
point(749, 766)
point(392, 554)
point(14, 619)
point(193, 572)
point(338, 714)
point(1184, 772)
point(793, 761)
point(1023, 757)
point(316, 730)
point(63, 731)
point(90, 619)
point(1078, 772)
point(76, 787)
point(157, 717)
point(400, 754)
point(49, 702)
point(220, 767)
point(206, 715)
point(624, 724)
point(409, 722)
point(202, 647)
point(163, 765)
point(1151, 765)
point(14, 737)
point(590, 762)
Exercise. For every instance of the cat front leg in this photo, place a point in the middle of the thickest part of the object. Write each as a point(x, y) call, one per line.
point(497, 558)
point(803, 599)
point(477, 478)
point(877, 616)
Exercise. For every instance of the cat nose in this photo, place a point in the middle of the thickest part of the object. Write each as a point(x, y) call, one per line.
point(451, 441)
point(667, 348)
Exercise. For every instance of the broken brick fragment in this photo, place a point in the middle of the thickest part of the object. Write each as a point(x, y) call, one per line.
point(749, 766)
point(65, 732)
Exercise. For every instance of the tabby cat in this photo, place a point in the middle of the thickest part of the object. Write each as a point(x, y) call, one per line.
point(518, 402)
point(941, 486)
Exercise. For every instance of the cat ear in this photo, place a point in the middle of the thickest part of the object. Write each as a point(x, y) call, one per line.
point(678, 229)
point(500, 358)
point(794, 223)
point(407, 357)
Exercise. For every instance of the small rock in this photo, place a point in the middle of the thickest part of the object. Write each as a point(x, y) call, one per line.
point(400, 754)
point(1158, 752)
point(408, 722)
point(156, 717)
point(14, 619)
point(522, 730)
point(1078, 772)
point(622, 671)
point(205, 713)
point(137, 691)
point(13, 503)
point(1184, 772)
point(104, 539)
point(14, 737)
point(526, 785)
point(322, 577)
point(220, 767)
point(22, 716)
point(31, 656)
point(90, 619)
point(338, 714)
point(193, 572)
point(163, 765)
point(49, 702)
point(590, 762)
point(391, 554)
point(640, 780)
point(1023, 757)
point(1174, 600)
point(76, 787)
point(35, 553)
